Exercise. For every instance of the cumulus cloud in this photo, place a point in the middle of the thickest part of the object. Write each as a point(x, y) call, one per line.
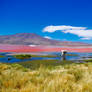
point(86, 34)
point(82, 32)
point(55, 28)
point(47, 37)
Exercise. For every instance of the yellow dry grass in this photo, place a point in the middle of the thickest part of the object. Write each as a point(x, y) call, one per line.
point(67, 78)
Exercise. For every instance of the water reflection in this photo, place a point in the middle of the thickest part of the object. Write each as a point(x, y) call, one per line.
point(78, 56)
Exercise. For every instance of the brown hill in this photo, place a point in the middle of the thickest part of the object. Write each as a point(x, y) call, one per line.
point(34, 39)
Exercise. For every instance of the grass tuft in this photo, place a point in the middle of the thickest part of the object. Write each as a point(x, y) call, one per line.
point(63, 77)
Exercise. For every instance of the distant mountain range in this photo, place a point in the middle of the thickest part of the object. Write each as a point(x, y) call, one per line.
point(34, 39)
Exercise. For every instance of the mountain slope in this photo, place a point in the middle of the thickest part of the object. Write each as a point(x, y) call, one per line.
point(34, 39)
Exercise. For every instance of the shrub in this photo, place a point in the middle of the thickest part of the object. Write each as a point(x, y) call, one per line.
point(22, 56)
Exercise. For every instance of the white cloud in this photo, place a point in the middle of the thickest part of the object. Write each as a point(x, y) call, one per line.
point(85, 38)
point(85, 34)
point(55, 28)
point(47, 37)
point(82, 32)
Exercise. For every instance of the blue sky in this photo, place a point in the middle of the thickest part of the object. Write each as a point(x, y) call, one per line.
point(34, 16)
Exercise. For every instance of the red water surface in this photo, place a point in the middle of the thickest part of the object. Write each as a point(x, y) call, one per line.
point(25, 48)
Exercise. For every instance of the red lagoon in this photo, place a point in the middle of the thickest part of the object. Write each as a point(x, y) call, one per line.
point(26, 48)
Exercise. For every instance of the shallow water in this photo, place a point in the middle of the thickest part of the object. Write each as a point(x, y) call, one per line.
point(80, 56)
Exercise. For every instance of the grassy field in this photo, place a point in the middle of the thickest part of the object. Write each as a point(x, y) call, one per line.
point(35, 64)
point(1, 56)
point(22, 56)
point(26, 56)
point(46, 76)
point(89, 60)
